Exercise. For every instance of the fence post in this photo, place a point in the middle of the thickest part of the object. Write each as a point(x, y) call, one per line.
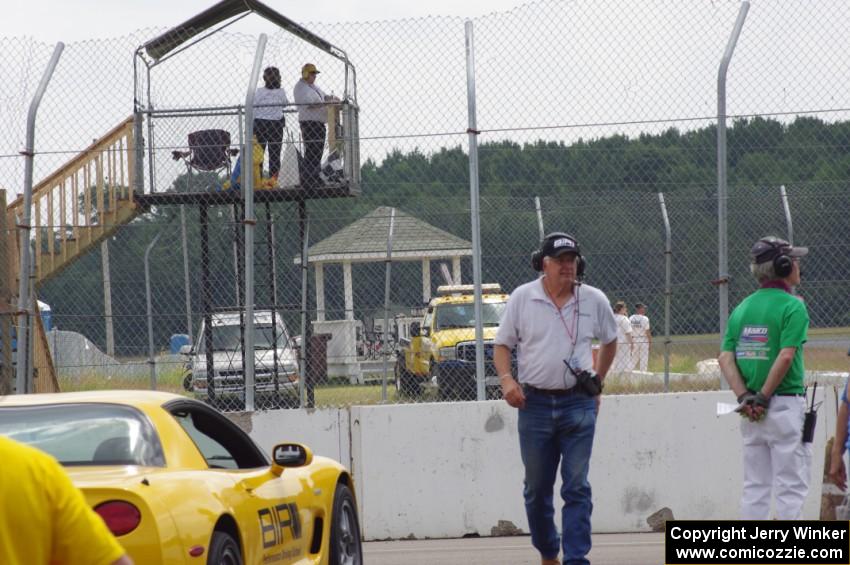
point(6, 378)
point(539, 211)
point(187, 289)
point(668, 259)
point(306, 395)
point(107, 297)
point(151, 352)
point(722, 229)
point(789, 224)
point(389, 263)
point(22, 383)
point(475, 213)
point(250, 223)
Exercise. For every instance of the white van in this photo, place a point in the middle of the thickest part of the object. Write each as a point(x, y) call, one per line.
point(275, 363)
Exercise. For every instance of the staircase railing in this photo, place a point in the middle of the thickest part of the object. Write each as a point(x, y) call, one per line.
point(82, 202)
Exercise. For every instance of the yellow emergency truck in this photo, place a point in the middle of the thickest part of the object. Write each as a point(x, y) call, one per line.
point(441, 348)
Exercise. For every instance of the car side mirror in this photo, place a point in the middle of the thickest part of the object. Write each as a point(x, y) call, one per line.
point(414, 329)
point(186, 349)
point(290, 455)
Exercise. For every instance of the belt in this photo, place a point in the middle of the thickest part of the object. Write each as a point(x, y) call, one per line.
point(790, 394)
point(552, 391)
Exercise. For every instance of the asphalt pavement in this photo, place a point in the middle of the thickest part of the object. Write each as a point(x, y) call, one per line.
point(608, 549)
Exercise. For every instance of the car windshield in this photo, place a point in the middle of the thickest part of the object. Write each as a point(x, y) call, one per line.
point(85, 434)
point(228, 338)
point(463, 315)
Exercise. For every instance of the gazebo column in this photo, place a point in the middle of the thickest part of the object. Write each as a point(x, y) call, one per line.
point(426, 281)
point(349, 290)
point(320, 292)
point(456, 270)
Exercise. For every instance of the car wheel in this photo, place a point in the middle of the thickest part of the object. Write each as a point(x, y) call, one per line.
point(454, 385)
point(224, 550)
point(405, 382)
point(345, 530)
point(445, 385)
point(289, 399)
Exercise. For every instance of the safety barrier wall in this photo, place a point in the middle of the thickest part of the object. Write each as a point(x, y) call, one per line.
point(453, 469)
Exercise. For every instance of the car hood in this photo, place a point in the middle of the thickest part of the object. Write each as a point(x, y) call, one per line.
point(453, 336)
point(230, 360)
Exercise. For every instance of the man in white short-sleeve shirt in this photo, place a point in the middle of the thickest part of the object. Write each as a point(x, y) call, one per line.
point(552, 322)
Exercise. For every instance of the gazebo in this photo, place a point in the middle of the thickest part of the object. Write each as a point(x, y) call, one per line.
point(366, 241)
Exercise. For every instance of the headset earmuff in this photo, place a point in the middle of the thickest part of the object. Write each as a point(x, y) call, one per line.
point(580, 266)
point(537, 260)
point(782, 265)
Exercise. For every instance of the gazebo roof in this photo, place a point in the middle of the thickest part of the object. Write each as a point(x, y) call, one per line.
point(366, 240)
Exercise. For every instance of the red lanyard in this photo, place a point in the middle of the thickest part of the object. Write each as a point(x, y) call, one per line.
point(574, 333)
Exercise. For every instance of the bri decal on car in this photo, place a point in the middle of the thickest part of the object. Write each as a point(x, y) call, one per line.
point(275, 520)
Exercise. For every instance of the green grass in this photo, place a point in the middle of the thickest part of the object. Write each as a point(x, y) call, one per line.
point(685, 353)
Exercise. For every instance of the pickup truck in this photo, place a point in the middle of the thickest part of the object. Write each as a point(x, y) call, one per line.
point(441, 348)
point(275, 363)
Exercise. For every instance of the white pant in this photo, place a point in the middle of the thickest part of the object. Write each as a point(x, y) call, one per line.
point(640, 354)
point(623, 359)
point(775, 458)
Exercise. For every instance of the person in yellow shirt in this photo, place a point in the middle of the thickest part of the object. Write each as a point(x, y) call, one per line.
point(44, 518)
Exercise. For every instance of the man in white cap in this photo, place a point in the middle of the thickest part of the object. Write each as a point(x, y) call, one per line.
point(551, 322)
point(313, 115)
point(762, 360)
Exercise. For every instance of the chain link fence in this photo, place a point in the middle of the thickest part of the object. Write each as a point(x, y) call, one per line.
point(587, 112)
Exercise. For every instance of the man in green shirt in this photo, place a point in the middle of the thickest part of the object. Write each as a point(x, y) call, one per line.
point(762, 360)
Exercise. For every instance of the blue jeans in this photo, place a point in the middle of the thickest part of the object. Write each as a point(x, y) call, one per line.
point(555, 430)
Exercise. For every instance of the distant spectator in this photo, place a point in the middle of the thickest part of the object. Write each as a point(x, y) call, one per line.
point(641, 336)
point(623, 359)
point(312, 115)
point(269, 121)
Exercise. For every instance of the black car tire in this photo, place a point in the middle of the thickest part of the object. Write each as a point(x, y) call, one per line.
point(456, 385)
point(289, 399)
point(345, 546)
point(405, 382)
point(224, 550)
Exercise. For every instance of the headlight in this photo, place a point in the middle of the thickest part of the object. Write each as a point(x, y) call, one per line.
point(448, 353)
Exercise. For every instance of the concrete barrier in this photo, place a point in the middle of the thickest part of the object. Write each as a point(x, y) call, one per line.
point(446, 470)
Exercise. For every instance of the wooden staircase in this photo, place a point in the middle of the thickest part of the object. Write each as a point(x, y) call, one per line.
point(83, 202)
point(75, 208)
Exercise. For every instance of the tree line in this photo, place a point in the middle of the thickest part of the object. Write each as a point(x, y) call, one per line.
point(604, 189)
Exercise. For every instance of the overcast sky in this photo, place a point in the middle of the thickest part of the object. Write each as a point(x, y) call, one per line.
point(74, 20)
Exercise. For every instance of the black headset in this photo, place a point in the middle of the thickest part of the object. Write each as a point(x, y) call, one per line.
point(782, 264)
point(537, 256)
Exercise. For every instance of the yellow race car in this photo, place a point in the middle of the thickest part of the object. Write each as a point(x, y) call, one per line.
point(178, 483)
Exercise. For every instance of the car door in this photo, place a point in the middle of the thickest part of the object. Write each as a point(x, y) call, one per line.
point(274, 513)
point(422, 349)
